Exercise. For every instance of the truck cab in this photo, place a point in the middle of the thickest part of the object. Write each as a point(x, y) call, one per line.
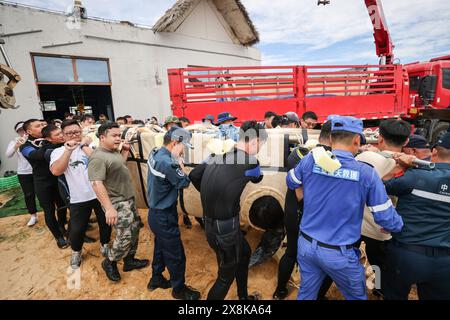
point(429, 87)
point(430, 83)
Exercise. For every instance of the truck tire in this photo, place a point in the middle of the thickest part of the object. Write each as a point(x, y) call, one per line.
point(438, 131)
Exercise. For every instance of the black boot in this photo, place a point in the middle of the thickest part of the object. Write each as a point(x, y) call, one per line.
point(187, 293)
point(280, 294)
point(62, 243)
point(158, 282)
point(130, 263)
point(254, 296)
point(89, 239)
point(187, 222)
point(111, 271)
point(64, 232)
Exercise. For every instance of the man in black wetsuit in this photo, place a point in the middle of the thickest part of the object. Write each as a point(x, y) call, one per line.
point(46, 184)
point(221, 181)
point(292, 217)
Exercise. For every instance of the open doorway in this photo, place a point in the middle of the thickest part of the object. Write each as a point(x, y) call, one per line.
point(91, 99)
point(69, 84)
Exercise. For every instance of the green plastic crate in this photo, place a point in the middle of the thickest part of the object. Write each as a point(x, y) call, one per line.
point(9, 183)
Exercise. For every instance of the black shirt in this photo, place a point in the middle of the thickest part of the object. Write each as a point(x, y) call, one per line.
point(39, 158)
point(221, 180)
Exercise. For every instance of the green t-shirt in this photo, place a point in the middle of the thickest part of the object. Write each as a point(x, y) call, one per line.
point(110, 167)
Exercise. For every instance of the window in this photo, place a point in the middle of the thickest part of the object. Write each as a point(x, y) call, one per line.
point(54, 69)
point(446, 78)
point(71, 70)
point(414, 83)
point(92, 70)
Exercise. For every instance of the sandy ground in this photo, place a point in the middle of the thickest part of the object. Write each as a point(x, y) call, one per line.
point(32, 266)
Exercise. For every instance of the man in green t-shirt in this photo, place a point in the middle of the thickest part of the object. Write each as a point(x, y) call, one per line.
point(112, 184)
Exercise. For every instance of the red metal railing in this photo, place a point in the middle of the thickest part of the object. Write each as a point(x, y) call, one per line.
point(250, 91)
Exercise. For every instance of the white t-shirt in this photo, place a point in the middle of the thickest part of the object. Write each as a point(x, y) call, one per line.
point(23, 166)
point(76, 174)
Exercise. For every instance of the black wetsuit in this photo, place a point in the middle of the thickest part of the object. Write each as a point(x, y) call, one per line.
point(221, 181)
point(292, 218)
point(46, 185)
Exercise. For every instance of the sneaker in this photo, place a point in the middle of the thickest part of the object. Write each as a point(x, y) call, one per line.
point(187, 293)
point(33, 220)
point(280, 294)
point(104, 250)
point(158, 282)
point(62, 243)
point(75, 260)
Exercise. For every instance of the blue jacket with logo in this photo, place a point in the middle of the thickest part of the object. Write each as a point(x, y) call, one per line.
point(334, 203)
point(424, 204)
point(165, 178)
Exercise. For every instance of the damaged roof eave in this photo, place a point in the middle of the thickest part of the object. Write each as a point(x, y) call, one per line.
point(233, 12)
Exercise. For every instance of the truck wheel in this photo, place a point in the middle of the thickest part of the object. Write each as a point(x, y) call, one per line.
point(439, 130)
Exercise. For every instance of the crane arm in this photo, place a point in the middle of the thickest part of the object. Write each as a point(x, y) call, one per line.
point(383, 41)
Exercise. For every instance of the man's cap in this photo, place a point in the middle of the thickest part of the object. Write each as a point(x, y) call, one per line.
point(171, 119)
point(417, 141)
point(225, 116)
point(209, 117)
point(180, 135)
point(444, 141)
point(347, 124)
point(292, 117)
point(18, 126)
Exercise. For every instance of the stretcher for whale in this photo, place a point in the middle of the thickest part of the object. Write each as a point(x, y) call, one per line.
point(262, 204)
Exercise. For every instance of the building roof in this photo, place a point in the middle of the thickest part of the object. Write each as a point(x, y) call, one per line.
point(233, 11)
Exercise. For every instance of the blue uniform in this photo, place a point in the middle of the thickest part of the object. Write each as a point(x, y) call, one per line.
point(165, 178)
point(420, 253)
point(332, 216)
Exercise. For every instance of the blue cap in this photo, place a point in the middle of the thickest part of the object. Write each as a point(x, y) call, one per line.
point(444, 141)
point(209, 117)
point(348, 124)
point(418, 142)
point(181, 135)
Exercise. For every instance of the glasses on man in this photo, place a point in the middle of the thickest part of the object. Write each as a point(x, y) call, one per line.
point(72, 133)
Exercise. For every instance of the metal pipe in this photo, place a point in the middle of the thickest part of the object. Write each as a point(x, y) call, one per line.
point(418, 162)
point(5, 56)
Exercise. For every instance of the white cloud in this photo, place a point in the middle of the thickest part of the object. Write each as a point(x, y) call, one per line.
point(137, 11)
point(419, 28)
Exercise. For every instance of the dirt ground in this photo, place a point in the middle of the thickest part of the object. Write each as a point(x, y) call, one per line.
point(32, 266)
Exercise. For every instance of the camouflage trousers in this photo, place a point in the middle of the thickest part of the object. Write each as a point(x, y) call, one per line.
point(127, 231)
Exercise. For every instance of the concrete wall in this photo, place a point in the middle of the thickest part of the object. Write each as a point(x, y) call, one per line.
point(136, 55)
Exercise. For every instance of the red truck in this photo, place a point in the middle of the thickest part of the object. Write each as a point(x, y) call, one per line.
point(417, 92)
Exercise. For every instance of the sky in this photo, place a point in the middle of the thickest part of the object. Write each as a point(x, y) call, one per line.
point(298, 32)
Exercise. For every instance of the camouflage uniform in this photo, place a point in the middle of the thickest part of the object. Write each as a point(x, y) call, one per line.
point(127, 231)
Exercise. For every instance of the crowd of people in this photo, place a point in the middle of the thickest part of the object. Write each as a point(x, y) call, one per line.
point(378, 195)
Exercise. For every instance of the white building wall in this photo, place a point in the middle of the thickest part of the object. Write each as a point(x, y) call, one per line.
point(136, 56)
